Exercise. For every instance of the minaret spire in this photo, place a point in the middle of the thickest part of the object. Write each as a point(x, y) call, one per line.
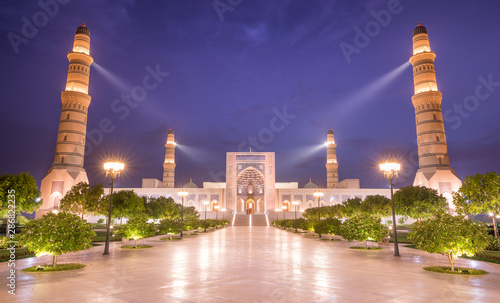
point(169, 164)
point(332, 167)
point(434, 164)
point(67, 168)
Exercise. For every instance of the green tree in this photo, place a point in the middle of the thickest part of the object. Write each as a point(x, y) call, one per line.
point(161, 207)
point(170, 226)
point(126, 203)
point(205, 224)
point(479, 194)
point(376, 205)
point(137, 228)
point(299, 223)
point(329, 226)
point(26, 193)
point(449, 235)
point(311, 213)
point(84, 200)
point(418, 202)
point(57, 234)
point(351, 207)
point(362, 228)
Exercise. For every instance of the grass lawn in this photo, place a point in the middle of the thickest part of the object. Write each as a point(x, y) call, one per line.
point(49, 268)
point(21, 253)
point(101, 237)
point(457, 271)
point(402, 238)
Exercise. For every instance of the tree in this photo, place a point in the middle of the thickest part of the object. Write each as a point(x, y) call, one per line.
point(26, 193)
point(137, 228)
point(170, 226)
point(57, 234)
point(299, 223)
point(376, 205)
point(84, 200)
point(362, 228)
point(126, 203)
point(418, 202)
point(205, 224)
point(449, 235)
point(479, 194)
point(161, 207)
point(402, 220)
point(351, 207)
point(330, 226)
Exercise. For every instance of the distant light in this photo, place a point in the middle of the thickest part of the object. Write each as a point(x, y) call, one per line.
point(391, 166)
point(172, 142)
point(329, 143)
point(38, 199)
point(318, 194)
point(55, 211)
point(295, 202)
point(204, 202)
point(183, 193)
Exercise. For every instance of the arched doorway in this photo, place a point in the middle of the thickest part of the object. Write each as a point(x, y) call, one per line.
point(250, 209)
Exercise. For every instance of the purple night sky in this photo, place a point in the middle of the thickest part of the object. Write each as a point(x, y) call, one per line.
point(231, 71)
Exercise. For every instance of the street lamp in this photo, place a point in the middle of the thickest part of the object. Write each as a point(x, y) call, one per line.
point(182, 193)
point(283, 207)
point(319, 194)
point(223, 211)
point(205, 203)
point(391, 169)
point(113, 169)
point(216, 207)
point(295, 203)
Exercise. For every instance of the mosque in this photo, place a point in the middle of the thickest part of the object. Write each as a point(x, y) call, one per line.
point(251, 186)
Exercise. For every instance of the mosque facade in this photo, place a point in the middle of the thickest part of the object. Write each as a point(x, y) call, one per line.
point(251, 186)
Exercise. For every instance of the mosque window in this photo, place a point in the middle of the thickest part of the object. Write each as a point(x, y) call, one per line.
point(65, 138)
point(437, 138)
point(67, 117)
point(434, 115)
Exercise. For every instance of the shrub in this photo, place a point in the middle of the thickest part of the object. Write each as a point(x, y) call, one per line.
point(137, 228)
point(363, 228)
point(494, 244)
point(100, 221)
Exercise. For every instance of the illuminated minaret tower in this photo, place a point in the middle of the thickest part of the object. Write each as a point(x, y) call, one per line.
point(67, 168)
point(434, 165)
point(169, 164)
point(332, 167)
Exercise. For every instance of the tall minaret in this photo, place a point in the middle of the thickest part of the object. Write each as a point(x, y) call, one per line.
point(67, 168)
point(332, 167)
point(434, 165)
point(169, 164)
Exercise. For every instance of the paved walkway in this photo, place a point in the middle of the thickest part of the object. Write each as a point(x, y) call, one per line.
point(251, 264)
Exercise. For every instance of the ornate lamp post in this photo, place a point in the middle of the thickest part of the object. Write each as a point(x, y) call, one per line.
point(223, 212)
point(216, 207)
point(205, 203)
point(182, 193)
point(318, 194)
point(283, 207)
point(295, 203)
point(391, 169)
point(113, 169)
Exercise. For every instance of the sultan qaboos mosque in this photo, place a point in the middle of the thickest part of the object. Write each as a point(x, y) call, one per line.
point(250, 186)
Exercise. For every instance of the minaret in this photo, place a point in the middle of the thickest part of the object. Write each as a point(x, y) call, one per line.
point(332, 167)
point(169, 164)
point(434, 165)
point(67, 168)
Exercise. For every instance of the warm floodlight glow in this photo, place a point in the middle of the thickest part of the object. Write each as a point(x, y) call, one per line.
point(183, 193)
point(216, 207)
point(318, 194)
point(329, 143)
point(171, 142)
point(114, 166)
point(284, 207)
point(295, 202)
point(390, 168)
point(223, 209)
point(55, 211)
point(205, 202)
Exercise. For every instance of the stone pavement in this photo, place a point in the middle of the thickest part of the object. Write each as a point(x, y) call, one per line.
point(251, 264)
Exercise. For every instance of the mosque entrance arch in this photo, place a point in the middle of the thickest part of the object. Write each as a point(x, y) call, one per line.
point(250, 188)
